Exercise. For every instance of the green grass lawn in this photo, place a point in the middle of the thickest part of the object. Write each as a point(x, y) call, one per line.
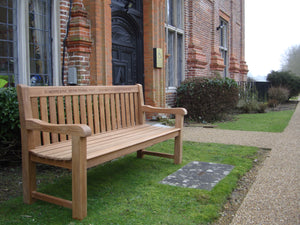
point(266, 122)
point(127, 191)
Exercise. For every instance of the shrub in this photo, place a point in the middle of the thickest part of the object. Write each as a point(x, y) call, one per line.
point(279, 94)
point(10, 137)
point(285, 79)
point(251, 106)
point(206, 99)
point(272, 103)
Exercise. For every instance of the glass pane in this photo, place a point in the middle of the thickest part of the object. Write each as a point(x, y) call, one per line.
point(170, 12)
point(3, 15)
point(3, 49)
point(3, 2)
point(10, 16)
point(171, 59)
point(11, 31)
point(179, 14)
point(3, 66)
point(179, 58)
point(10, 49)
point(10, 3)
point(3, 34)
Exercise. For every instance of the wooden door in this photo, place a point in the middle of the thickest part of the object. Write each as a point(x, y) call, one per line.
point(127, 43)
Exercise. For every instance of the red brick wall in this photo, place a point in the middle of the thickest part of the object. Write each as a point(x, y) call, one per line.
point(202, 39)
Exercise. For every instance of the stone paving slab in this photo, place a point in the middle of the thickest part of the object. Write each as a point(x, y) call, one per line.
point(198, 175)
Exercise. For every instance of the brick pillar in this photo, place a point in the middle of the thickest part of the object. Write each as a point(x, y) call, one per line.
point(243, 65)
point(234, 68)
point(79, 43)
point(101, 57)
point(154, 34)
point(196, 58)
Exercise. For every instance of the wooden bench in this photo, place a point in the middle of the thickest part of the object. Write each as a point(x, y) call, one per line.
point(84, 126)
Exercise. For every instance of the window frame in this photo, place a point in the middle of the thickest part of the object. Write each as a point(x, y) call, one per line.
point(177, 31)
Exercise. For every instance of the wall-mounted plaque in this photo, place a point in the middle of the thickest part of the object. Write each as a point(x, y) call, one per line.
point(158, 57)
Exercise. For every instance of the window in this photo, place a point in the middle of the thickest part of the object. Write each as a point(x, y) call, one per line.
point(8, 41)
point(29, 42)
point(175, 42)
point(224, 44)
point(40, 42)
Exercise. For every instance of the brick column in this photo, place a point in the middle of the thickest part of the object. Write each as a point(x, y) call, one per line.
point(234, 68)
point(101, 58)
point(154, 34)
point(79, 43)
point(243, 65)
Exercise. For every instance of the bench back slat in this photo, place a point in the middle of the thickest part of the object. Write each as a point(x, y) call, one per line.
point(102, 108)
point(53, 116)
point(96, 113)
point(35, 115)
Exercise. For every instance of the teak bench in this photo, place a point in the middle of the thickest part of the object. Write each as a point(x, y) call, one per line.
point(84, 126)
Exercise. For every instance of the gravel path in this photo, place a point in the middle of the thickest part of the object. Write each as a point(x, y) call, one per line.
point(274, 198)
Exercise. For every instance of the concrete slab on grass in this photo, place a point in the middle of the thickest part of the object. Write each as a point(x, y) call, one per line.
point(199, 175)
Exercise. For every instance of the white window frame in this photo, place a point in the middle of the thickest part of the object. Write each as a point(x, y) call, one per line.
point(177, 31)
point(23, 43)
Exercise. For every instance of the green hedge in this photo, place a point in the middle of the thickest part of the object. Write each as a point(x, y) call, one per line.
point(207, 99)
point(10, 135)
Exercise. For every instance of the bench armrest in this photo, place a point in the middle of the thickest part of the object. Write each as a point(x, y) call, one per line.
point(179, 113)
point(80, 130)
point(176, 111)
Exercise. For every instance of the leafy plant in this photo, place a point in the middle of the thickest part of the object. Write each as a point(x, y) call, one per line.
point(206, 99)
point(10, 136)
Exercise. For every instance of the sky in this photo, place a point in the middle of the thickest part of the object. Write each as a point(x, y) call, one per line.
point(271, 27)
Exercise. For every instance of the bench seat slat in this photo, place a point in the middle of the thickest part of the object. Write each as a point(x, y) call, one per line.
point(101, 144)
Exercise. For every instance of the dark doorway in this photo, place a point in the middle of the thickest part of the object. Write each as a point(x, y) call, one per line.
point(127, 43)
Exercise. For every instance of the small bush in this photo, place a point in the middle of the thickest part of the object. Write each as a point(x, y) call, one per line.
point(272, 103)
point(10, 137)
point(251, 106)
point(207, 99)
point(279, 94)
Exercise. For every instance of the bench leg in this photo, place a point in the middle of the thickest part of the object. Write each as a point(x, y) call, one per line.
point(178, 150)
point(140, 154)
point(29, 180)
point(79, 178)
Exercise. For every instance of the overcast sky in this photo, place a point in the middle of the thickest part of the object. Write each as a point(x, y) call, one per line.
point(272, 26)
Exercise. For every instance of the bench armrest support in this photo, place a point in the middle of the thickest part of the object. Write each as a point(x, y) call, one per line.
point(80, 130)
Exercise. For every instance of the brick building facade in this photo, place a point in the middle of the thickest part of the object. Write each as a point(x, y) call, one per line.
point(112, 42)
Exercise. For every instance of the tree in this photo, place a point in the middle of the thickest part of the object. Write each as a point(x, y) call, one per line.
point(285, 79)
point(291, 60)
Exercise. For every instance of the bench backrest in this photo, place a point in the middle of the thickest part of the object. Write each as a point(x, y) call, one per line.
point(102, 108)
